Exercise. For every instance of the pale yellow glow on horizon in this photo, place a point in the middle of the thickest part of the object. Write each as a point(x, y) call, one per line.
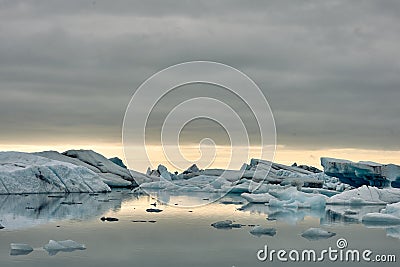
point(283, 154)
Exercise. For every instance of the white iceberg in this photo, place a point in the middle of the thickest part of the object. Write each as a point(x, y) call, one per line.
point(53, 247)
point(366, 195)
point(27, 173)
point(20, 249)
point(317, 233)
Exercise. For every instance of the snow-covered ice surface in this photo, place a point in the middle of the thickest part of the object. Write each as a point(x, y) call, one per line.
point(363, 172)
point(27, 173)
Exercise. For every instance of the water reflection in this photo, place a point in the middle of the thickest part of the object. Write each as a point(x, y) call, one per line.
point(287, 215)
point(24, 211)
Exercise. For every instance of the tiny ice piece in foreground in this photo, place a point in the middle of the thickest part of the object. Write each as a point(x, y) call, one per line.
point(53, 247)
point(20, 249)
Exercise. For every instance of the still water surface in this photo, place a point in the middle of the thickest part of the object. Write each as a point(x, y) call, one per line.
point(178, 237)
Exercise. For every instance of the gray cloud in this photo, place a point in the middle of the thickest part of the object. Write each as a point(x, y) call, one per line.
point(330, 69)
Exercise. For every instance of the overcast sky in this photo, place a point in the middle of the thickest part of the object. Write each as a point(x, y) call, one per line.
point(330, 69)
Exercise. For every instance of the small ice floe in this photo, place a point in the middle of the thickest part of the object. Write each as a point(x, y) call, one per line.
point(380, 219)
point(259, 231)
point(257, 198)
point(317, 233)
point(20, 249)
point(154, 210)
point(53, 247)
point(227, 224)
point(109, 219)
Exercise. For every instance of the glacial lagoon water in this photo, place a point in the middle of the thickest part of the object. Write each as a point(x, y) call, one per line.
point(176, 236)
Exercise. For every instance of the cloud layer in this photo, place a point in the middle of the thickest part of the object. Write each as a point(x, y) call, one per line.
point(330, 69)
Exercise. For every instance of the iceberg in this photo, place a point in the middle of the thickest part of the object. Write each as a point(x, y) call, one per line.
point(192, 169)
point(100, 162)
point(256, 178)
point(18, 249)
point(28, 173)
point(363, 172)
point(317, 234)
point(118, 161)
point(53, 247)
point(366, 195)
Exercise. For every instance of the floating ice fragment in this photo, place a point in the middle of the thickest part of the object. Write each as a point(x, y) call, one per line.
point(317, 233)
point(20, 249)
point(227, 224)
point(259, 231)
point(53, 247)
